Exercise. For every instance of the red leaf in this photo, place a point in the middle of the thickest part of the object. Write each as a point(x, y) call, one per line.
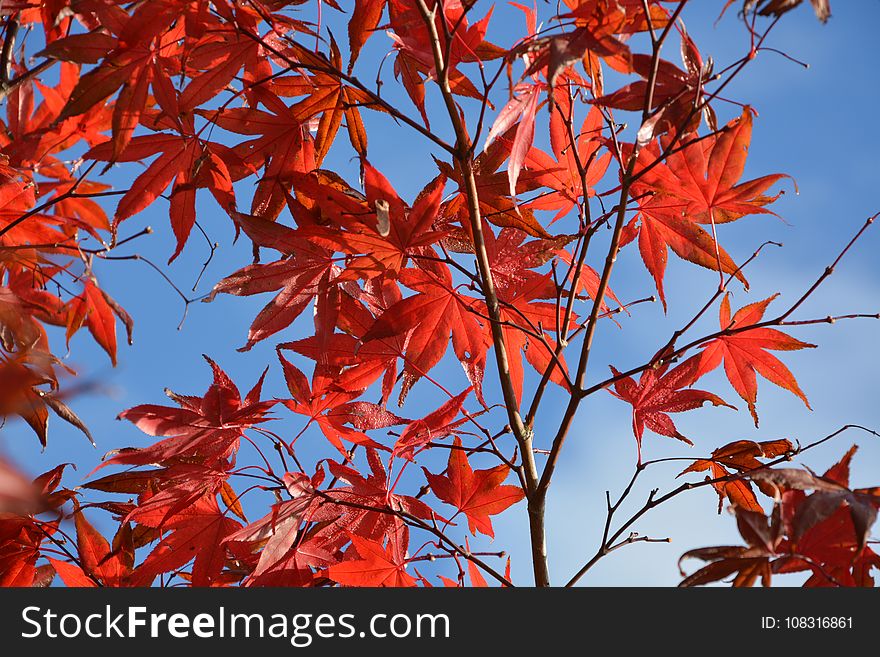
point(71, 574)
point(662, 227)
point(196, 532)
point(363, 22)
point(429, 317)
point(705, 175)
point(745, 353)
point(376, 566)
point(478, 494)
point(207, 428)
point(660, 392)
point(434, 426)
point(740, 456)
point(100, 319)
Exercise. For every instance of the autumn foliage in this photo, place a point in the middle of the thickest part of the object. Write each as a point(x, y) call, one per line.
point(544, 157)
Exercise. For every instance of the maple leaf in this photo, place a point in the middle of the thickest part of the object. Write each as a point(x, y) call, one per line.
point(745, 353)
point(305, 272)
point(520, 305)
point(824, 532)
point(386, 235)
point(740, 456)
point(478, 494)
point(830, 548)
point(661, 227)
point(215, 53)
point(282, 146)
point(597, 26)
point(376, 566)
point(325, 405)
point(659, 392)
point(512, 257)
point(72, 575)
point(460, 41)
point(179, 156)
point(364, 19)
point(519, 112)
point(278, 531)
point(17, 199)
point(434, 426)
point(207, 427)
point(38, 135)
point(706, 175)
point(27, 367)
point(170, 489)
point(98, 311)
point(196, 532)
point(100, 562)
point(561, 175)
point(428, 318)
point(674, 93)
point(363, 507)
point(518, 290)
point(20, 543)
point(127, 69)
point(184, 160)
point(342, 358)
point(329, 96)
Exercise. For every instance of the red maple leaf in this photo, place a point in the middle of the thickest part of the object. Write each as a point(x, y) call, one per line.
point(195, 532)
point(434, 426)
point(831, 494)
point(660, 226)
point(748, 563)
point(351, 364)
point(363, 507)
point(706, 175)
point(460, 41)
point(207, 428)
point(328, 96)
point(326, 405)
point(278, 532)
point(281, 145)
point(364, 19)
point(98, 311)
point(375, 566)
point(674, 93)
point(98, 562)
point(177, 158)
point(561, 175)
point(745, 353)
point(385, 235)
point(305, 272)
point(738, 457)
point(20, 542)
point(428, 318)
point(478, 494)
point(659, 392)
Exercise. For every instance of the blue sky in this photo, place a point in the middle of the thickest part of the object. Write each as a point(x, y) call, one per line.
point(815, 124)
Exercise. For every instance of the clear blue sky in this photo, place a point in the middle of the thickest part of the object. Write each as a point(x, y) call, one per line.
point(816, 125)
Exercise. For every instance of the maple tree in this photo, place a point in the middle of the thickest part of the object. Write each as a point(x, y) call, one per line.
point(507, 254)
